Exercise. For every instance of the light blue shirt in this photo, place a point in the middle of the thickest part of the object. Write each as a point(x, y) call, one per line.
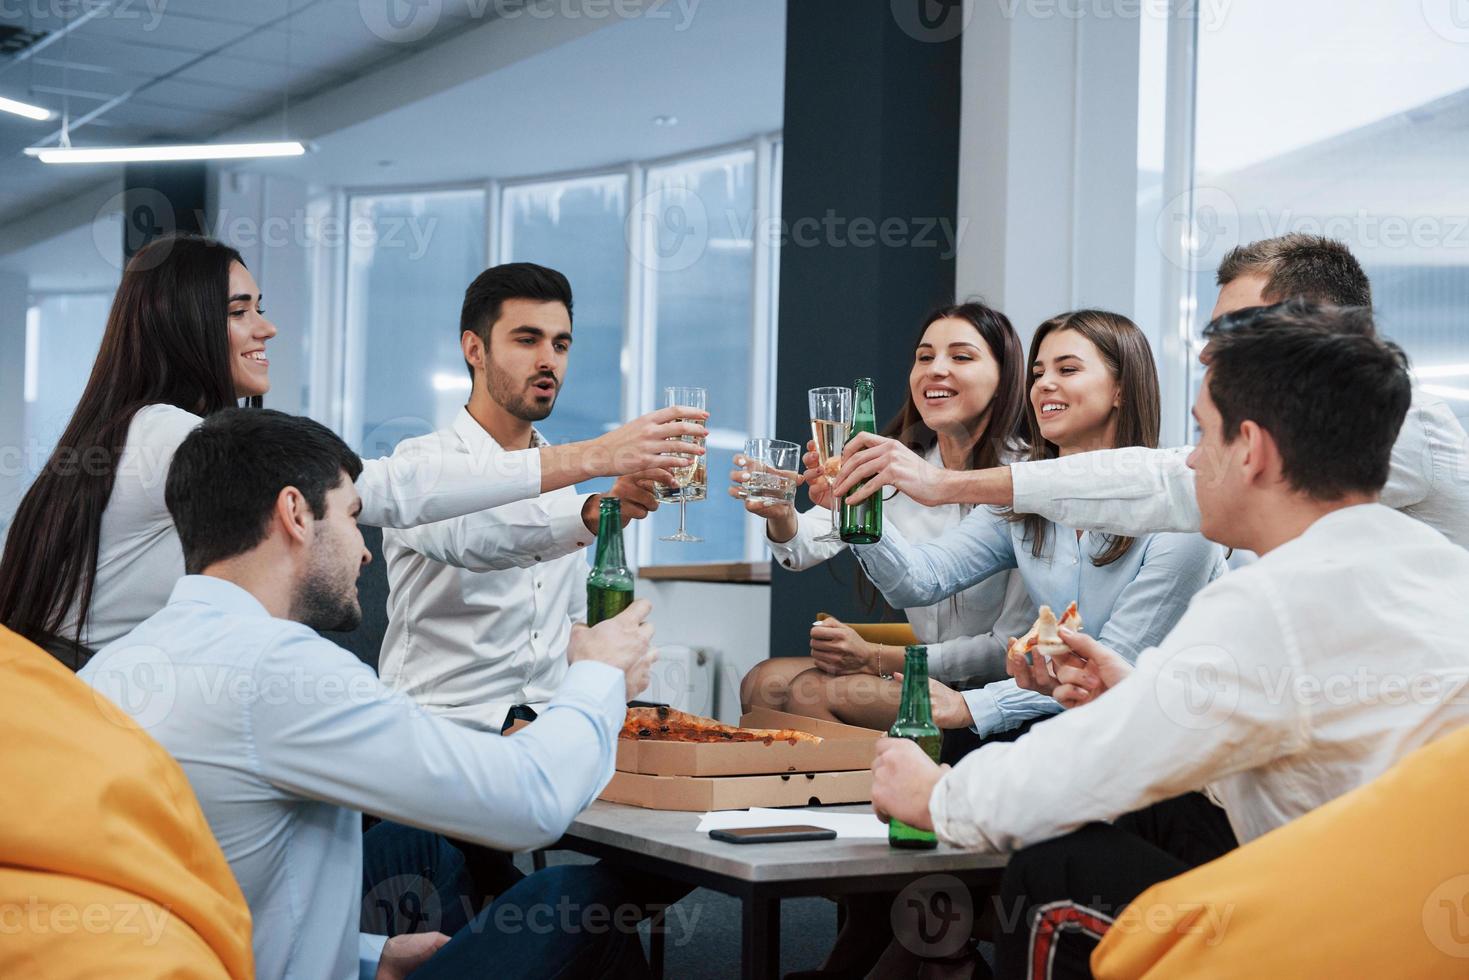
point(285, 737)
point(1129, 604)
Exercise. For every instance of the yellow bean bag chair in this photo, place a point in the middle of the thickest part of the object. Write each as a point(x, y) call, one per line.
point(107, 865)
point(892, 634)
point(1373, 884)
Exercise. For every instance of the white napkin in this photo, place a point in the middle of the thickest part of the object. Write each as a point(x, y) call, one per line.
point(847, 825)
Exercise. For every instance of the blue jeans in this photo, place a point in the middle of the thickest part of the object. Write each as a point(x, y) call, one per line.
point(565, 922)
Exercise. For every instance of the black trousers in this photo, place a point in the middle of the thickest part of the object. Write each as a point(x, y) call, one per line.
point(1058, 898)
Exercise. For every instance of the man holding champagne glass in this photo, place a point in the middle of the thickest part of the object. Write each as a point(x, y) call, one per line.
point(480, 610)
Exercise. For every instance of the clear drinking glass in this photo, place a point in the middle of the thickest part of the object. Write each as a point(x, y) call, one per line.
point(831, 423)
point(773, 466)
point(692, 475)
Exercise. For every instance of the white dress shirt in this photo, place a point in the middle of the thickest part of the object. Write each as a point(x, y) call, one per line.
point(285, 737)
point(965, 633)
point(139, 556)
point(480, 607)
point(1135, 491)
point(1285, 684)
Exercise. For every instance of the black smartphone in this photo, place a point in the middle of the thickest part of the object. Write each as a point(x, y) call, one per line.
point(772, 835)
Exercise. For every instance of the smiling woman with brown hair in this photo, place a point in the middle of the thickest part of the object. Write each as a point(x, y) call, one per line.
point(1093, 385)
point(962, 410)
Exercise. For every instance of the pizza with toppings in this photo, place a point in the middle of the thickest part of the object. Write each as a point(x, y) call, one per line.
point(663, 724)
point(1044, 637)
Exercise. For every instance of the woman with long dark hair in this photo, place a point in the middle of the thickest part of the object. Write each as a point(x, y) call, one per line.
point(962, 410)
point(92, 550)
point(1093, 385)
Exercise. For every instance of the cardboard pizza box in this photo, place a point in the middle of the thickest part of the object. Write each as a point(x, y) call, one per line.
point(703, 793)
point(844, 748)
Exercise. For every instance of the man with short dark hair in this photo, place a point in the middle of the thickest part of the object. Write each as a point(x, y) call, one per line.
point(480, 609)
point(287, 738)
point(1285, 684)
point(1141, 491)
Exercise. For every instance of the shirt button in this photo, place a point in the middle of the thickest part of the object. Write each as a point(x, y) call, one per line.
point(539, 584)
point(535, 636)
point(536, 557)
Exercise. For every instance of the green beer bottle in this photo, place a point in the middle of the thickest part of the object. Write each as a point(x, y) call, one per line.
point(915, 721)
point(609, 586)
point(862, 523)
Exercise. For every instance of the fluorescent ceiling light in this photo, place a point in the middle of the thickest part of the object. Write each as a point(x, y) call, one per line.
point(158, 154)
point(1448, 391)
point(24, 109)
point(1441, 371)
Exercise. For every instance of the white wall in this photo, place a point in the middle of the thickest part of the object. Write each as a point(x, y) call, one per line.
point(1048, 163)
point(731, 622)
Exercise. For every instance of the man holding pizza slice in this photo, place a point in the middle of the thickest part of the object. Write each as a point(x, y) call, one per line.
point(1286, 683)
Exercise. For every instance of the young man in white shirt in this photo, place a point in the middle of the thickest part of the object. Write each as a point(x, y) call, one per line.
point(1285, 684)
point(1140, 491)
point(480, 608)
point(286, 738)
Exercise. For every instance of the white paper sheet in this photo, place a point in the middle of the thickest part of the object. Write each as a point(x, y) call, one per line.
point(847, 825)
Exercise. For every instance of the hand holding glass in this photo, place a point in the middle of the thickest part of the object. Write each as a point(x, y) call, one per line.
point(689, 471)
point(771, 467)
point(831, 422)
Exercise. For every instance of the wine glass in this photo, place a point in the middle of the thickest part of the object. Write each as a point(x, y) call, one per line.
point(691, 476)
point(831, 423)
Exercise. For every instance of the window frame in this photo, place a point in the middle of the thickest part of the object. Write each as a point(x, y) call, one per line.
point(336, 392)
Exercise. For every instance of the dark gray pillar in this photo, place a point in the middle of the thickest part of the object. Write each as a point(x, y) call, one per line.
point(160, 199)
point(869, 204)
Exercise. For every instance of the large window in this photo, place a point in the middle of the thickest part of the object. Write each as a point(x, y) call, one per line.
point(63, 332)
point(673, 284)
point(409, 259)
point(1349, 125)
point(699, 308)
point(576, 226)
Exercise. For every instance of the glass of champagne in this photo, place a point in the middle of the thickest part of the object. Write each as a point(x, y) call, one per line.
point(690, 472)
point(772, 465)
point(831, 422)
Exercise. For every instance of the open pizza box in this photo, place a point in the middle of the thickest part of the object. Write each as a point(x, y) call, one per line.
point(843, 748)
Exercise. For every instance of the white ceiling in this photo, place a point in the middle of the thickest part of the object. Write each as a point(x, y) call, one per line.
point(472, 99)
point(140, 70)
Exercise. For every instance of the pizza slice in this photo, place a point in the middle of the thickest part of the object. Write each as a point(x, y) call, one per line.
point(664, 724)
point(1044, 636)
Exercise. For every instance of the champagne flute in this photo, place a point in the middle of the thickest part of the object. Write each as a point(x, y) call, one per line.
point(831, 422)
point(691, 476)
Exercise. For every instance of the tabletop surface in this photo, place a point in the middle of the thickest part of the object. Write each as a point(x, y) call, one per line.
point(670, 835)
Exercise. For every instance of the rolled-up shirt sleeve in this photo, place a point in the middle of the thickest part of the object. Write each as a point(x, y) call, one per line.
point(911, 574)
point(1195, 710)
point(434, 479)
point(327, 735)
point(1132, 491)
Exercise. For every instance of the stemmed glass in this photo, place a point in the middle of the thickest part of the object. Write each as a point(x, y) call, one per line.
point(831, 423)
point(692, 476)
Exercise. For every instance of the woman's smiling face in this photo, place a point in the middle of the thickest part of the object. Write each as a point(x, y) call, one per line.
point(954, 376)
point(248, 331)
point(1073, 392)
